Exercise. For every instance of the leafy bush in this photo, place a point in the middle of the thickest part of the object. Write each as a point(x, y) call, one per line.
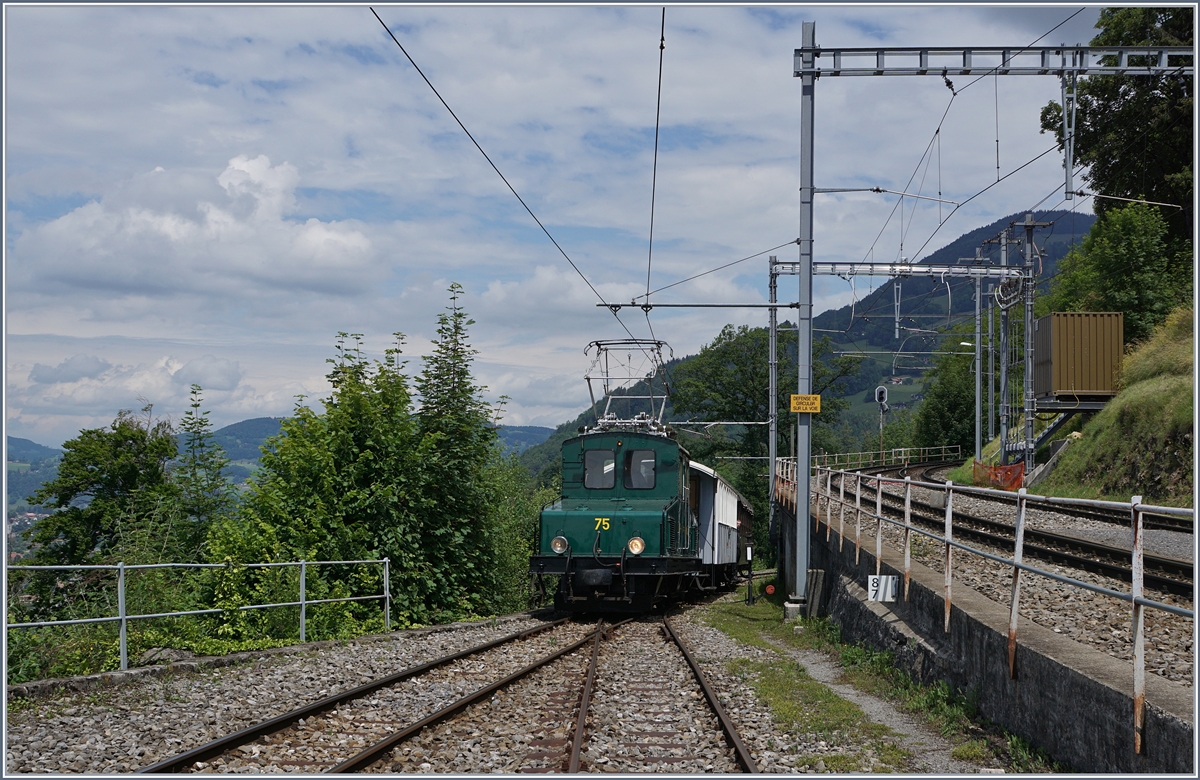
point(1168, 351)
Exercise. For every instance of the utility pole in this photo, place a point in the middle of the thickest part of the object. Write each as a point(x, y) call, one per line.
point(798, 587)
point(978, 365)
point(978, 371)
point(1030, 282)
point(875, 61)
point(772, 404)
point(1003, 241)
point(896, 306)
point(991, 370)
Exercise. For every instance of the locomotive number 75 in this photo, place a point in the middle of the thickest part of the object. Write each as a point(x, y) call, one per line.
point(601, 523)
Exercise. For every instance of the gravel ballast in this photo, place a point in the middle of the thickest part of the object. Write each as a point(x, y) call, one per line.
point(125, 727)
point(524, 727)
point(1101, 622)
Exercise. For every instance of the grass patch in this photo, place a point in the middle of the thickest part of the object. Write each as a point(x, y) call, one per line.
point(1026, 759)
point(801, 702)
point(974, 750)
point(19, 704)
point(963, 475)
point(1142, 442)
point(874, 672)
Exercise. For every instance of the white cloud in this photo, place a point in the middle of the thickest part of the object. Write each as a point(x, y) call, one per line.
point(211, 373)
point(72, 369)
point(226, 188)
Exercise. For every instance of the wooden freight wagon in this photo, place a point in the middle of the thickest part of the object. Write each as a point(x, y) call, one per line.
point(1077, 355)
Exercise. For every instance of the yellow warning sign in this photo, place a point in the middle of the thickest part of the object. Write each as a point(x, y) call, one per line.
point(806, 404)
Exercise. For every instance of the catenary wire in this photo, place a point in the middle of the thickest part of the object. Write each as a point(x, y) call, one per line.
point(936, 135)
point(501, 175)
point(980, 192)
point(662, 45)
point(721, 267)
point(1030, 45)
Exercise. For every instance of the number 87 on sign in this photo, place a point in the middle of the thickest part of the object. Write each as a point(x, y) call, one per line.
point(881, 588)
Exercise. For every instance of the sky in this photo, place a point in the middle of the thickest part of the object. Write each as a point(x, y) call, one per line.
point(209, 195)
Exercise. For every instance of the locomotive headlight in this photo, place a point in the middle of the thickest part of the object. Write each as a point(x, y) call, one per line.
point(637, 545)
point(559, 544)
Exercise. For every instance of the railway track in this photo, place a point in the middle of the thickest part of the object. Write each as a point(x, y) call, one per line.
point(594, 711)
point(1168, 575)
point(926, 473)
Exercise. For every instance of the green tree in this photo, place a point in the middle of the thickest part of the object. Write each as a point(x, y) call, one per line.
point(457, 442)
point(898, 431)
point(729, 380)
point(1126, 264)
point(947, 414)
point(1134, 133)
point(339, 485)
point(204, 491)
point(110, 480)
point(370, 477)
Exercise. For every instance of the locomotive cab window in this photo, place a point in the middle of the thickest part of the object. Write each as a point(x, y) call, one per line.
point(599, 469)
point(639, 469)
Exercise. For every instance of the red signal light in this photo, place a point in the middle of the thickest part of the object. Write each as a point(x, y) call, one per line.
point(770, 590)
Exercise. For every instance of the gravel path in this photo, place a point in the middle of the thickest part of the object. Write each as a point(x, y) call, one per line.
point(779, 749)
point(1090, 618)
point(930, 750)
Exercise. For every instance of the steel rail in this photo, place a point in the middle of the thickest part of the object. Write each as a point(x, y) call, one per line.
point(1150, 520)
point(1174, 566)
point(743, 753)
point(1117, 554)
point(998, 535)
point(377, 751)
point(247, 735)
point(585, 701)
point(1165, 564)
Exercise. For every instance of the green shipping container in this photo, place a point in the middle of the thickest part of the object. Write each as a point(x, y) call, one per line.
point(1077, 355)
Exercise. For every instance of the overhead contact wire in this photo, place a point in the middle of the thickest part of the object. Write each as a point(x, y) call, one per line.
point(501, 175)
point(937, 137)
point(662, 45)
point(1022, 167)
point(722, 267)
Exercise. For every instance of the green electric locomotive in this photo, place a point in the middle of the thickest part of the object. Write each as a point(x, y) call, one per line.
point(637, 522)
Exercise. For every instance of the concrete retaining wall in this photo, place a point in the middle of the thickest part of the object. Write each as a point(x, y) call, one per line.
point(1067, 699)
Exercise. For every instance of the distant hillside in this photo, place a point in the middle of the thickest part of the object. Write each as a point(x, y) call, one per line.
point(29, 465)
point(869, 323)
point(923, 295)
point(872, 325)
point(26, 451)
point(518, 438)
point(242, 440)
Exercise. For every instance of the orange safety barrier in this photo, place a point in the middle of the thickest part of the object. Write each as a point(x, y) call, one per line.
point(1004, 477)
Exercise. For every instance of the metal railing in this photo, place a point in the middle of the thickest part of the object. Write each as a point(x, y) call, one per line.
point(1135, 598)
point(893, 457)
point(123, 617)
